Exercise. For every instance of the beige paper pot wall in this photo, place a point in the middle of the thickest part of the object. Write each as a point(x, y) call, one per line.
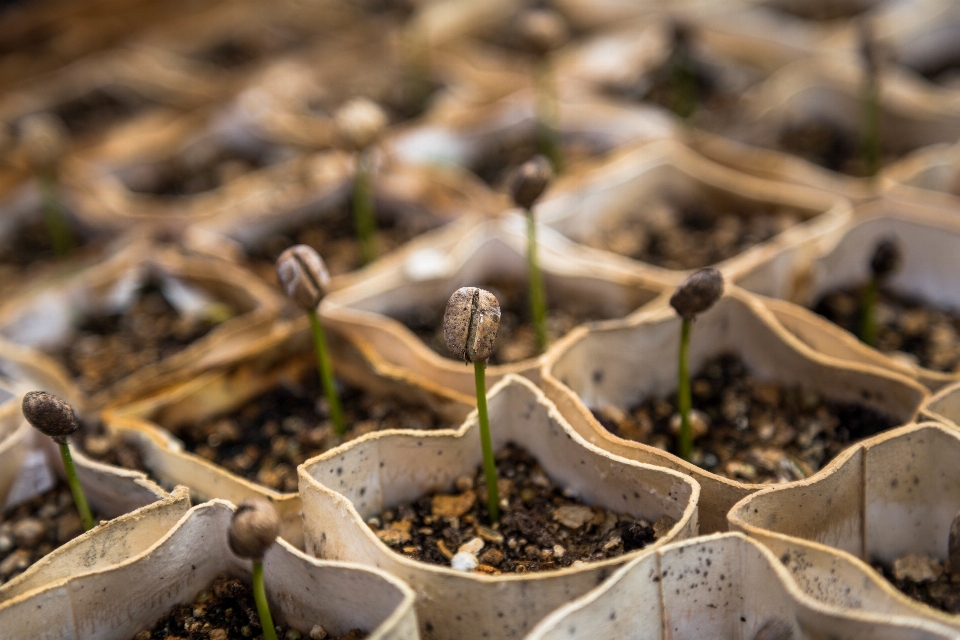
point(344, 487)
point(930, 174)
point(16, 440)
point(154, 423)
point(35, 327)
point(119, 601)
point(889, 496)
point(412, 290)
point(925, 236)
point(825, 95)
point(719, 586)
point(621, 363)
point(656, 185)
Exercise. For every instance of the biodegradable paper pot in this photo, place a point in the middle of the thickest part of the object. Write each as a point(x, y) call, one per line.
point(441, 201)
point(927, 237)
point(829, 91)
point(117, 180)
point(119, 601)
point(621, 363)
point(890, 495)
point(110, 543)
point(45, 318)
point(364, 313)
point(465, 136)
point(16, 439)
point(720, 586)
point(152, 423)
point(929, 174)
point(665, 173)
point(381, 470)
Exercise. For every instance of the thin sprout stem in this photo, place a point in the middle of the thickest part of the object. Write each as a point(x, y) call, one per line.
point(683, 84)
point(364, 216)
point(548, 130)
point(325, 368)
point(489, 466)
point(263, 608)
point(685, 440)
point(871, 126)
point(78, 496)
point(538, 302)
point(868, 312)
point(55, 216)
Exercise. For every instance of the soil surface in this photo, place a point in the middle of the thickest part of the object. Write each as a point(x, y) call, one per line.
point(504, 157)
point(541, 529)
point(95, 110)
point(226, 611)
point(691, 236)
point(822, 10)
point(830, 147)
point(944, 72)
point(334, 236)
point(29, 244)
point(108, 448)
point(756, 431)
point(516, 339)
point(104, 349)
point(267, 438)
point(35, 528)
point(906, 327)
point(192, 174)
point(925, 579)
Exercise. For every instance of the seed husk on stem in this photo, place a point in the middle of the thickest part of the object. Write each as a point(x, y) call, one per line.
point(254, 527)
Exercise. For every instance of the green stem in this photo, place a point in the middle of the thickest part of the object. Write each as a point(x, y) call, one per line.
point(870, 133)
point(489, 466)
point(78, 496)
point(325, 368)
point(685, 440)
point(868, 320)
point(263, 607)
point(364, 216)
point(548, 130)
point(538, 302)
point(683, 84)
point(56, 219)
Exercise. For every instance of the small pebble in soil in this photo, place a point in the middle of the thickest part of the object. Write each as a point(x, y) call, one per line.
point(907, 328)
point(516, 339)
point(691, 236)
point(104, 349)
point(541, 528)
point(226, 611)
point(35, 528)
point(334, 237)
point(268, 437)
point(755, 430)
point(925, 579)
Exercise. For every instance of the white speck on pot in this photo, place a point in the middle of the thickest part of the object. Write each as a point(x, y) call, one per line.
point(318, 633)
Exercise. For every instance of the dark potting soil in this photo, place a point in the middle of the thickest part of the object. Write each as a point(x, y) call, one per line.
point(829, 146)
point(925, 579)
point(106, 348)
point(540, 529)
point(516, 339)
point(109, 448)
point(35, 528)
point(692, 236)
point(756, 431)
point(29, 244)
point(99, 108)
point(907, 327)
point(186, 175)
point(334, 236)
point(238, 50)
point(226, 611)
point(267, 438)
point(822, 10)
point(500, 162)
point(944, 71)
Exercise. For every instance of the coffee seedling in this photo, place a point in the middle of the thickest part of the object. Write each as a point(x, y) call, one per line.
point(885, 261)
point(528, 183)
point(305, 279)
point(683, 75)
point(470, 324)
point(870, 100)
point(695, 295)
point(44, 138)
point(253, 529)
point(53, 417)
point(360, 123)
point(543, 31)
